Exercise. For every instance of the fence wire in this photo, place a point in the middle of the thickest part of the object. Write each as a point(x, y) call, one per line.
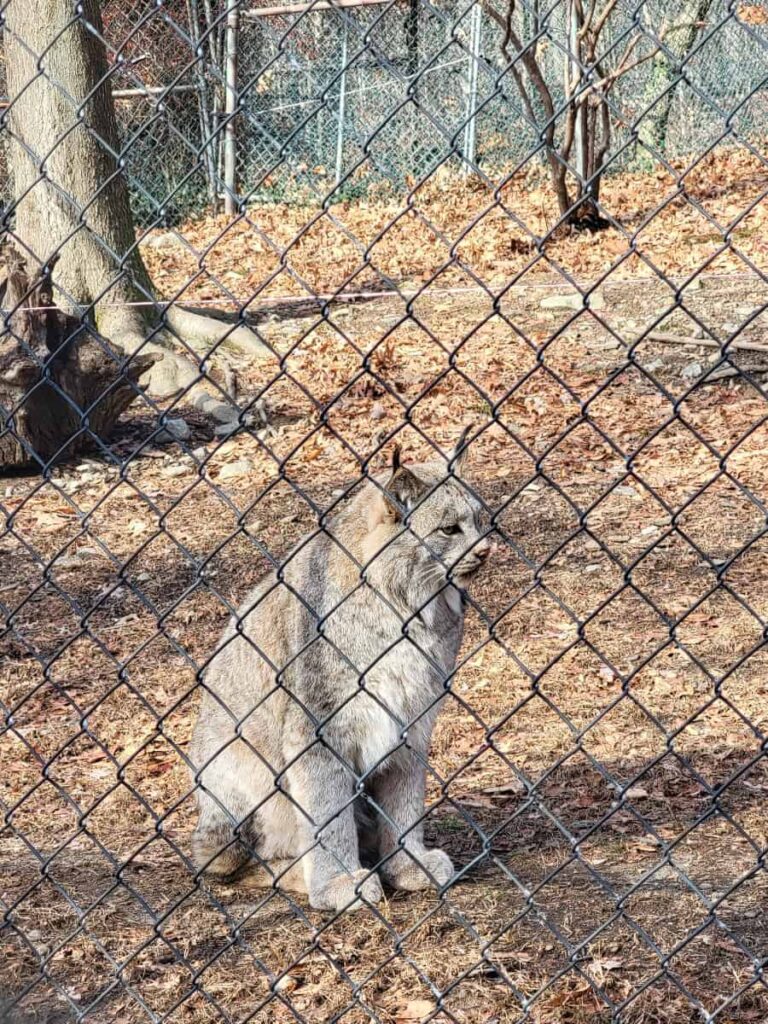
point(592, 796)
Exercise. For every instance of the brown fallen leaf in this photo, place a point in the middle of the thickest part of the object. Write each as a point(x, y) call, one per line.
point(415, 1009)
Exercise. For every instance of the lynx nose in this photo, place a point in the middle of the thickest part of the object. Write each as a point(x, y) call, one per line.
point(482, 549)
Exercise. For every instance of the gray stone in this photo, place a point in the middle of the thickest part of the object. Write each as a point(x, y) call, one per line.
point(69, 561)
point(172, 471)
point(174, 430)
point(233, 470)
point(225, 429)
point(163, 241)
point(692, 371)
point(378, 412)
point(570, 301)
point(655, 364)
point(574, 300)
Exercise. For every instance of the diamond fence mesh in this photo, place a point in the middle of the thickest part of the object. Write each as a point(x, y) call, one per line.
point(383, 561)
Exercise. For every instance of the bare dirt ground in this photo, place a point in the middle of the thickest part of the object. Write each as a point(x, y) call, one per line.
point(599, 771)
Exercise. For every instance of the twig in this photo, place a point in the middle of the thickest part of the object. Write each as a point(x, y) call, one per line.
point(676, 339)
point(717, 375)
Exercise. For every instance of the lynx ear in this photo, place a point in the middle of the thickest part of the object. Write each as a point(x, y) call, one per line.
point(403, 489)
point(458, 456)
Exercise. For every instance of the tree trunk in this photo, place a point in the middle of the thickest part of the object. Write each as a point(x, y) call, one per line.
point(63, 147)
point(72, 199)
point(664, 80)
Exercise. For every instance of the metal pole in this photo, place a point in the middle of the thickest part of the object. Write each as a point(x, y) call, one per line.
point(580, 127)
point(470, 128)
point(230, 108)
point(203, 107)
point(316, 5)
point(342, 105)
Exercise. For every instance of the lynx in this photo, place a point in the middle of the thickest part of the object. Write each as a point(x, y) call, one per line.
point(310, 751)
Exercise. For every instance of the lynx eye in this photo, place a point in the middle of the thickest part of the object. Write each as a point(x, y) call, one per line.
point(451, 530)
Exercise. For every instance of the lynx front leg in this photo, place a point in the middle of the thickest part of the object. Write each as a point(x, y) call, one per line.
point(322, 790)
point(399, 793)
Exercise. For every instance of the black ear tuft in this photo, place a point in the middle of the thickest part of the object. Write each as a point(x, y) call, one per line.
point(459, 453)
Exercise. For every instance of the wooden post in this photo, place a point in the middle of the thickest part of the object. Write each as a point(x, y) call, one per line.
point(230, 109)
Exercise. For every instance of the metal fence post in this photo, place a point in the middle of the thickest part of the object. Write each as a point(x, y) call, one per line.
point(230, 108)
point(342, 104)
point(470, 128)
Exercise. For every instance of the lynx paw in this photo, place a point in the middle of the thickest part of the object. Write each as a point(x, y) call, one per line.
point(344, 891)
point(405, 870)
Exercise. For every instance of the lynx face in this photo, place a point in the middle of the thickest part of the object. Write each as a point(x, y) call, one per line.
point(430, 525)
point(448, 521)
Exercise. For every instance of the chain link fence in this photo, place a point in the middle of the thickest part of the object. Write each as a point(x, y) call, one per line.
point(383, 576)
point(320, 92)
point(323, 91)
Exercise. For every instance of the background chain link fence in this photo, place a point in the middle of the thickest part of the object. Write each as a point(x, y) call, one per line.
point(395, 264)
point(320, 92)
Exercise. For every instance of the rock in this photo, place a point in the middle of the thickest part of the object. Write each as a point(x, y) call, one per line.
point(378, 412)
point(162, 241)
point(233, 470)
point(199, 453)
point(655, 364)
point(574, 300)
point(225, 429)
point(571, 301)
point(69, 561)
point(699, 332)
point(692, 371)
point(174, 430)
point(636, 793)
point(172, 471)
point(625, 489)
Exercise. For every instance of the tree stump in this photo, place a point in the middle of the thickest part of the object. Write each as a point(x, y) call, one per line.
point(62, 385)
